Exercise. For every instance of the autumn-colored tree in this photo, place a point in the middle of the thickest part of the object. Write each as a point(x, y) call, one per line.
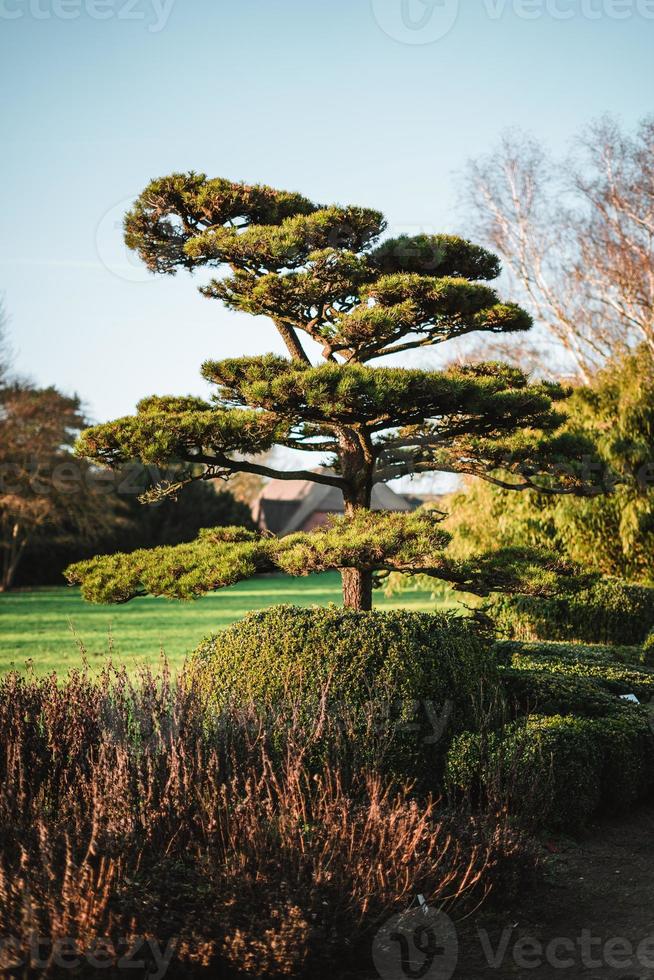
point(44, 489)
point(341, 297)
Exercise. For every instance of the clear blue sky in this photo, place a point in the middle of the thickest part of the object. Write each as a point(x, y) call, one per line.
point(324, 96)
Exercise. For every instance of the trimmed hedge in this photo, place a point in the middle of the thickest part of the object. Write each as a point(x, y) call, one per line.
point(556, 772)
point(606, 611)
point(648, 649)
point(544, 769)
point(578, 660)
point(544, 693)
point(634, 656)
point(426, 670)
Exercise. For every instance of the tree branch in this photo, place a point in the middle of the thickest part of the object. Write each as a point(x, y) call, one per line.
point(245, 466)
point(293, 345)
point(394, 473)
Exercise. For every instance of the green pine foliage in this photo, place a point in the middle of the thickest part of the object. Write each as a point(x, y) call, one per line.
point(340, 295)
point(373, 542)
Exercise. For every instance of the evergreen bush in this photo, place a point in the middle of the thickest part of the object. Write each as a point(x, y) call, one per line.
point(556, 772)
point(579, 661)
point(545, 693)
point(647, 652)
point(635, 656)
point(425, 676)
point(603, 611)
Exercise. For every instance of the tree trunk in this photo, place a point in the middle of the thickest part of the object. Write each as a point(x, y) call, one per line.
point(357, 589)
point(357, 582)
point(12, 557)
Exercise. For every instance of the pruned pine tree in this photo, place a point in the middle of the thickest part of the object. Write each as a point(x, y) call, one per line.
point(341, 297)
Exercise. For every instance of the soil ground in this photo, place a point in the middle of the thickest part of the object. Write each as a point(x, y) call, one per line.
point(592, 917)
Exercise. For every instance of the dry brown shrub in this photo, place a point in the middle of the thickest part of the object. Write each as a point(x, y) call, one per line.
point(126, 812)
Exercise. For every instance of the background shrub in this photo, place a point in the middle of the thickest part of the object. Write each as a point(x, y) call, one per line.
point(545, 693)
point(427, 675)
point(555, 772)
point(133, 525)
point(635, 656)
point(648, 649)
point(609, 533)
point(606, 611)
point(579, 660)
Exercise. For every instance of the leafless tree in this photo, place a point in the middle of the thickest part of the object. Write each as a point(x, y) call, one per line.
point(5, 351)
point(577, 235)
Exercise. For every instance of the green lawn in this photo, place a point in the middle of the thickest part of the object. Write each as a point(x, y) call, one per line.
point(53, 627)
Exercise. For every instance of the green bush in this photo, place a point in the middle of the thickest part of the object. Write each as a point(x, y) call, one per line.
point(628, 758)
point(606, 611)
point(555, 772)
point(431, 674)
point(544, 769)
point(635, 656)
point(578, 660)
point(648, 649)
point(545, 693)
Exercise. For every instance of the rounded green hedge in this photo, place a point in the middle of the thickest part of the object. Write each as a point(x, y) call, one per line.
point(432, 674)
point(610, 668)
point(606, 611)
point(556, 772)
point(601, 653)
point(544, 693)
point(648, 649)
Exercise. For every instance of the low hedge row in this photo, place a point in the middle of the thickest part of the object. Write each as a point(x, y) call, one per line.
point(556, 772)
point(635, 656)
point(401, 681)
point(544, 693)
point(423, 693)
point(606, 610)
point(579, 660)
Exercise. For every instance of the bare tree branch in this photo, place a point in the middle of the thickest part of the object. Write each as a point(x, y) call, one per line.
point(577, 236)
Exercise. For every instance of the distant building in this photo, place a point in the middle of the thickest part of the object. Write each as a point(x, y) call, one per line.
point(284, 506)
point(432, 500)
